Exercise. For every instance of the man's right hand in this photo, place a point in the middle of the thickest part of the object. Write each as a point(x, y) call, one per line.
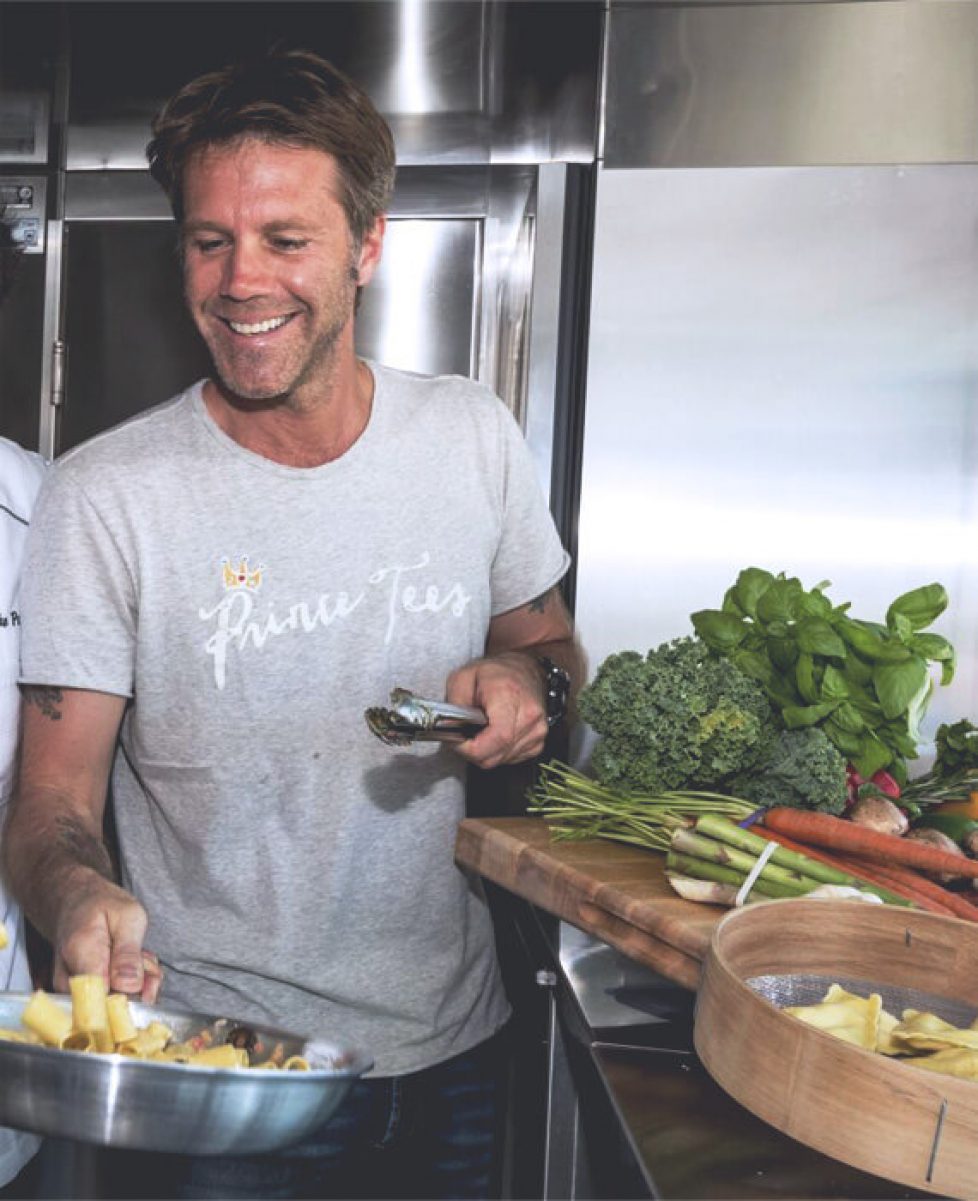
point(54, 855)
point(100, 932)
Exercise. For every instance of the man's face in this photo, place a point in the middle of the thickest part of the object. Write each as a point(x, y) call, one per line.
point(270, 268)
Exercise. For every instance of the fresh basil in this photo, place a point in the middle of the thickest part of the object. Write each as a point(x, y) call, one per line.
point(751, 584)
point(835, 687)
point(897, 684)
point(816, 636)
point(720, 631)
point(866, 683)
point(921, 606)
point(797, 717)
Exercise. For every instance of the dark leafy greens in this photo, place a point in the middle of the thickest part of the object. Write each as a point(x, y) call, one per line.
point(678, 717)
point(685, 718)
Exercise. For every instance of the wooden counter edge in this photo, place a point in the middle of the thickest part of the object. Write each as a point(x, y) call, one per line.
point(495, 854)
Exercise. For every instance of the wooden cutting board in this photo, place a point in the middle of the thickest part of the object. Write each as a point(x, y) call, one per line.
point(616, 892)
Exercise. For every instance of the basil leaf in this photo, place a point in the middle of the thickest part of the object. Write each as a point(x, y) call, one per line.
point(814, 604)
point(864, 638)
point(897, 684)
point(867, 704)
point(751, 584)
point(805, 678)
point(797, 717)
point(783, 653)
point(730, 604)
point(939, 650)
point(897, 737)
point(754, 664)
point(933, 646)
point(779, 602)
point(861, 639)
point(872, 756)
point(918, 707)
point(816, 636)
point(856, 669)
point(902, 627)
point(847, 717)
point(720, 631)
point(921, 606)
point(834, 686)
point(849, 744)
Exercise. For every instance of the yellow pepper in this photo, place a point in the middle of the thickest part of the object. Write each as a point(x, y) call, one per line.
point(967, 808)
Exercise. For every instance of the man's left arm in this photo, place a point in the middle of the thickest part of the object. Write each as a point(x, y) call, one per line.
point(508, 682)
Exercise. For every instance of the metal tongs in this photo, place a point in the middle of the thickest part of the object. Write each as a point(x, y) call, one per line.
point(413, 719)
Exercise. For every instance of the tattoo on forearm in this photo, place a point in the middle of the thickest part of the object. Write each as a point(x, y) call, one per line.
point(74, 840)
point(539, 603)
point(44, 697)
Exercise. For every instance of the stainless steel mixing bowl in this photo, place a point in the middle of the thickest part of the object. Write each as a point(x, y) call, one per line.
point(120, 1102)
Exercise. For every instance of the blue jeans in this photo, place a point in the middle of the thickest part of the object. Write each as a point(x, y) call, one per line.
point(431, 1134)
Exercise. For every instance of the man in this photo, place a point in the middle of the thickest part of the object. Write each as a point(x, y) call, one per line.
point(240, 573)
point(20, 478)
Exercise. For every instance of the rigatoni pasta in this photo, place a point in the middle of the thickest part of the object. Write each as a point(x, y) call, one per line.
point(47, 1019)
point(102, 1023)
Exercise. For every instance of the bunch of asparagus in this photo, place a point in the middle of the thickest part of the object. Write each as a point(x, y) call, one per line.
point(718, 851)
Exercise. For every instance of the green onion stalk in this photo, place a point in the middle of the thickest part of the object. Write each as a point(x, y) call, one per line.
point(577, 806)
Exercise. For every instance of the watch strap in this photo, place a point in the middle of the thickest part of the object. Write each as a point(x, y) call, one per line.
point(556, 690)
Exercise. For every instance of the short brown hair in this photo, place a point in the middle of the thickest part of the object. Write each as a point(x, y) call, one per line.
point(293, 97)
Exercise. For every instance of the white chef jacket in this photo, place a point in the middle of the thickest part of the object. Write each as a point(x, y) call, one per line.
point(21, 472)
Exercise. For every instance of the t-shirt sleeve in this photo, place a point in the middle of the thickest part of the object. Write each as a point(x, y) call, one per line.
point(530, 558)
point(78, 600)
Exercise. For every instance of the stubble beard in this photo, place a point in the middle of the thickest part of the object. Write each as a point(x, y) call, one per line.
point(319, 363)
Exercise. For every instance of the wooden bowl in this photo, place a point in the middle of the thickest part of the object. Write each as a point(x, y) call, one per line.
point(868, 1110)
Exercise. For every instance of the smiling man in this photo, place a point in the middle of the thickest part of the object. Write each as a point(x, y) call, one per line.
point(271, 270)
point(236, 585)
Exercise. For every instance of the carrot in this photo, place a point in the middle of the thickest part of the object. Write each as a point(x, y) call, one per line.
point(898, 878)
point(845, 837)
point(872, 873)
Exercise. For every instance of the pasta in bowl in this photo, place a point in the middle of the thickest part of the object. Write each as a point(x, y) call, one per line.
point(123, 1074)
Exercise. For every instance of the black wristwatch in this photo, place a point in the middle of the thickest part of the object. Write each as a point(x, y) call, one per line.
point(556, 690)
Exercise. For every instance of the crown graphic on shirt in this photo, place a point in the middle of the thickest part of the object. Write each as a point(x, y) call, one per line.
point(241, 576)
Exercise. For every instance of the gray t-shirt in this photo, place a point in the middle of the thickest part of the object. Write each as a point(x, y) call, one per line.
point(295, 870)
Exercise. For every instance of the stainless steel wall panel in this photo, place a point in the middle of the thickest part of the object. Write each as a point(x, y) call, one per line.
point(419, 310)
point(114, 196)
point(460, 81)
point(791, 84)
point(783, 372)
point(544, 320)
point(507, 276)
point(415, 57)
point(543, 79)
point(420, 191)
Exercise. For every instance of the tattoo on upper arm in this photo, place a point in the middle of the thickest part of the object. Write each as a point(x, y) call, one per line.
point(44, 697)
point(539, 603)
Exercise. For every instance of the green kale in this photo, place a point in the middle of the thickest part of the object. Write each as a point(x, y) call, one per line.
point(682, 717)
point(802, 770)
